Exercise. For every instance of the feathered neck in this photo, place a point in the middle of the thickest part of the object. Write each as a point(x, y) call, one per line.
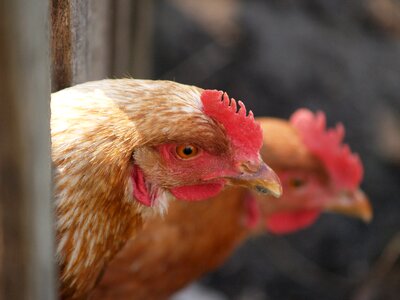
point(95, 210)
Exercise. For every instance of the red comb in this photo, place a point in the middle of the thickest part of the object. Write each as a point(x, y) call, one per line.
point(344, 167)
point(244, 132)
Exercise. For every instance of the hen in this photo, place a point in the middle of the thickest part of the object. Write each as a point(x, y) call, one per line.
point(318, 174)
point(120, 149)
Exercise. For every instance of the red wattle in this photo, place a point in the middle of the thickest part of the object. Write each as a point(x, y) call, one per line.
point(197, 192)
point(140, 191)
point(287, 222)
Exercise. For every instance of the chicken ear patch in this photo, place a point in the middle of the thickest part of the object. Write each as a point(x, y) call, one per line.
point(244, 132)
point(140, 190)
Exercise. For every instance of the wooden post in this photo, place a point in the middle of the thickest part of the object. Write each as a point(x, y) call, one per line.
point(27, 254)
point(133, 38)
point(98, 39)
point(81, 41)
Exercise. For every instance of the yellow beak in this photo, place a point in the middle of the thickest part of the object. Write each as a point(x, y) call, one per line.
point(354, 204)
point(261, 179)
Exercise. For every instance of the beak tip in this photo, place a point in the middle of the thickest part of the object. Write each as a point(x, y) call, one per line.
point(277, 193)
point(355, 205)
point(365, 207)
point(367, 215)
point(274, 189)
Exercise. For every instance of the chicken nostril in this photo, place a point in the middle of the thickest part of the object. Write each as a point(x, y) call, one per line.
point(262, 190)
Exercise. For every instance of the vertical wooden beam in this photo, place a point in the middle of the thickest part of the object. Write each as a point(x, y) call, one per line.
point(100, 38)
point(97, 39)
point(81, 41)
point(123, 27)
point(133, 38)
point(27, 260)
point(143, 39)
point(61, 42)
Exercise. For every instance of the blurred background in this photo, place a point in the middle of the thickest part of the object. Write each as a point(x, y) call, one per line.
point(339, 56)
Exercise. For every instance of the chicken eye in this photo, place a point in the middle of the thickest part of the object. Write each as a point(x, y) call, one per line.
point(187, 151)
point(296, 182)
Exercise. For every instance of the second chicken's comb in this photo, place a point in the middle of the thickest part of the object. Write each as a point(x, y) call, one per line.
point(343, 166)
point(244, 132)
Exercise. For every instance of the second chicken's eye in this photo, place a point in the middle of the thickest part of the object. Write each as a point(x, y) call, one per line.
point(296, 182)
point(187, 151)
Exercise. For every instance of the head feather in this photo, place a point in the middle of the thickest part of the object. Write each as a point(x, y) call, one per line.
point(241, 128)
point(343, 166)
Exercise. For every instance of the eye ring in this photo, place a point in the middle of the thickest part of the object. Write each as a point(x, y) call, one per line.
point(296, 182)
point(187, 151)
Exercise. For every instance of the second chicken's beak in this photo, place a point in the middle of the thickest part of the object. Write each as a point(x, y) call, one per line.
point(260, 178)
point(354, 204)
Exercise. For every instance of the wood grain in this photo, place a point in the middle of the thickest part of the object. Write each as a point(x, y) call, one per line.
point(27, 270)
point(81, 41)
